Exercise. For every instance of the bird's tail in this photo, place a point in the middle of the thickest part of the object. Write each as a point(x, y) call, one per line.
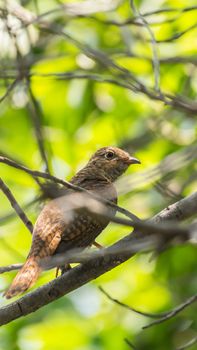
point(25, 278)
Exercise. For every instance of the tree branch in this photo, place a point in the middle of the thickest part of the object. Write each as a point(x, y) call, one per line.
point(188, 344)
point(131, 345)
point(155, 59)
point(12, 214)
point(16, 206)
point(9, 89)
point(130, 308)
point(9, 268)
point(36, 116)
point(173, 312)
point(161, 317)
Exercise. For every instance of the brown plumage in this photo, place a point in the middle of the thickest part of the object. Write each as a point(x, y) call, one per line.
point(57, 231)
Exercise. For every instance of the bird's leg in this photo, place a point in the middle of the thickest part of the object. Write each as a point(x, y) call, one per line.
point(68, 267)
point(97, 245)
point(57, 271)
point(63, 269)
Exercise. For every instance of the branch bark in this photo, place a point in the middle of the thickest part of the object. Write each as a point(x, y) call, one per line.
point(93, 268)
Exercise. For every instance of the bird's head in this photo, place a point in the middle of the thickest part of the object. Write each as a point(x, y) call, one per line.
point(112, 162)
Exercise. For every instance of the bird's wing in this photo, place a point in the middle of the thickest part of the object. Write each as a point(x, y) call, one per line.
point(55, 222)
point(50, 225)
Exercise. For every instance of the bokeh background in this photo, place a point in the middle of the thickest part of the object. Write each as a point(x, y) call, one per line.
point(58, 83)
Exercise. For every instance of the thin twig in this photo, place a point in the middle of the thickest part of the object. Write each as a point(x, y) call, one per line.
point(9, 89)
point(173, 312)
point(9, 268)
point(12, 250)
point(129, 80)
point(11, 215)
point(28, 17)
point(161, 317)
point(177, 35)
point(155, 60)
point(36, 116)
point(188, 344)
point(131, 345)
point(168, 99)
point(16, 206)
point(130, 308)
point(170, 9)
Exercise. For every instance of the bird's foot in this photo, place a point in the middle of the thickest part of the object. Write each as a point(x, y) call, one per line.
point(63, 269)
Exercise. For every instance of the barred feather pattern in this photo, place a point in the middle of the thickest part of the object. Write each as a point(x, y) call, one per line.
point(59, 229)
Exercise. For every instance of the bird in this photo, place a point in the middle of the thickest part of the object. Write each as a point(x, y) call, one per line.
point(56, 232)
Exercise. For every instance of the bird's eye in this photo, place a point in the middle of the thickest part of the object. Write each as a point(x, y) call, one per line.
point(109, 155)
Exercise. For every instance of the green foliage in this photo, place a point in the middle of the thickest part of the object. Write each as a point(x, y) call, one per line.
point(78, 116)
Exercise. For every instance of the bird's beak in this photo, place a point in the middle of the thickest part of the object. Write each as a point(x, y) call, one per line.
point(133, 160)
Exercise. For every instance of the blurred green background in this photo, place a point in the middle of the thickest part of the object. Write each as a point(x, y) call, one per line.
point(77, 116)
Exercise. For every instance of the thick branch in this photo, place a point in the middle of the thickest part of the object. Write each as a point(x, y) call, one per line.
point(90, 270)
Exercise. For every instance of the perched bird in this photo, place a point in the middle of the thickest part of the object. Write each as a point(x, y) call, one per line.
point(56, 232)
